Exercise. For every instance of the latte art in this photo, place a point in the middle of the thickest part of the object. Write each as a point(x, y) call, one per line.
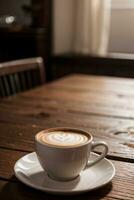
point(63, 138)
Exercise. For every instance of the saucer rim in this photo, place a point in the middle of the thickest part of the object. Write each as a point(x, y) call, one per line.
point(62, 192)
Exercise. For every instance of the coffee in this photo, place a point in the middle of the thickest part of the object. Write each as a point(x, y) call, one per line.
point(63, 138)
point(63, 152)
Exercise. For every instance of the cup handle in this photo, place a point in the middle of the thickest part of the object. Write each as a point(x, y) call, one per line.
point(100, 157)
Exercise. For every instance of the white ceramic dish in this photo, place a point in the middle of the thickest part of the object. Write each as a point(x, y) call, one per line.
point(28, 170)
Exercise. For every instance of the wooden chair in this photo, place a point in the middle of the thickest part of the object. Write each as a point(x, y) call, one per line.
point(20, 75)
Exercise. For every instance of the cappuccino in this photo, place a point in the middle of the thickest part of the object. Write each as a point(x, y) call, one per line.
point(63, 138)
point(64, 152)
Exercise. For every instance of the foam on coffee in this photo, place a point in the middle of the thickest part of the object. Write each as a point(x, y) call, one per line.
point(63, 138)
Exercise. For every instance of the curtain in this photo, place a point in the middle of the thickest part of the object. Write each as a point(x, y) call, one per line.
point(91, 26)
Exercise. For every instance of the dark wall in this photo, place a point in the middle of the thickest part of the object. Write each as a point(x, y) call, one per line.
point(63, 65)
point(14, 7)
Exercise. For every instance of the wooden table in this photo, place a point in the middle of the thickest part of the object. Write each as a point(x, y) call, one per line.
point(102, 104)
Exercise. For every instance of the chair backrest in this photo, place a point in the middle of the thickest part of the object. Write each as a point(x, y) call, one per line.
point(20, 75)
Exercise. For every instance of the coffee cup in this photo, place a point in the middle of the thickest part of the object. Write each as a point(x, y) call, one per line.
point(64, 152)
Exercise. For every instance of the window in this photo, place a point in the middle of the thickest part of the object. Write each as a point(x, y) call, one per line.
point(122, 4)
point(122, 30)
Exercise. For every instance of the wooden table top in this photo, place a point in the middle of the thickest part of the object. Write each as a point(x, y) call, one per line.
point(102, 104)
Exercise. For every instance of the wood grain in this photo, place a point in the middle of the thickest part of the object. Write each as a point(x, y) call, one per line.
point(21, 136)
point(26, 119)
point(104, 96)
point(101, 105)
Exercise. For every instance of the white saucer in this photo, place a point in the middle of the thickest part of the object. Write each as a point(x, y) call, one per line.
point(28, 170)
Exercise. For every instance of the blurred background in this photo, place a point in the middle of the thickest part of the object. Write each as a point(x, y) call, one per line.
point(72, 36)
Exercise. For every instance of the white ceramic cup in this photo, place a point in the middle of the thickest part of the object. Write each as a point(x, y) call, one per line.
point(66, 163)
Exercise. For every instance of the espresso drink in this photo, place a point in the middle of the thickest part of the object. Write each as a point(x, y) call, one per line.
point(63, 138)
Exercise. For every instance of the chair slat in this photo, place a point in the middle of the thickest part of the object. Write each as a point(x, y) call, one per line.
point(12, 84)
point(35, 77)
point(2, 90)
point(6, 84)
point(17, 76)
point(29, 79)
point(23, 81)
point(17, 82)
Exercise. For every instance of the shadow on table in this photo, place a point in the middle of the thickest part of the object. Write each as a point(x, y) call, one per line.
point(14, 190)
